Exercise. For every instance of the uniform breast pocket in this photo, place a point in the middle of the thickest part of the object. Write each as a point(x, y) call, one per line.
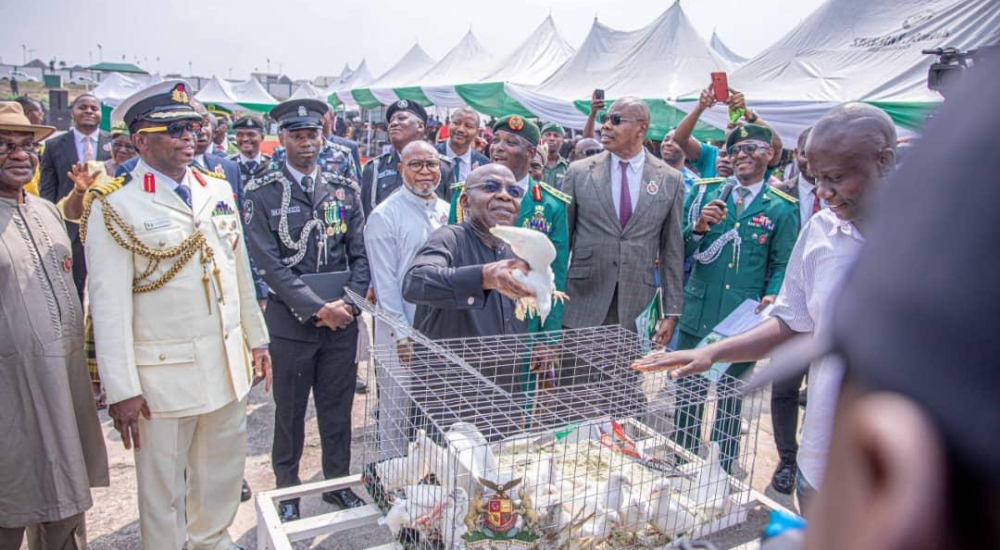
point(169, 375)
point(159, 239)
point(229, 231)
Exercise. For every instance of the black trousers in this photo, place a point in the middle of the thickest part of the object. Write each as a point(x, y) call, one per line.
point(785, 417)
point(327, 369)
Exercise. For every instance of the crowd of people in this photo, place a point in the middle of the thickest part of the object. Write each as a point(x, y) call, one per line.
point(184, 266)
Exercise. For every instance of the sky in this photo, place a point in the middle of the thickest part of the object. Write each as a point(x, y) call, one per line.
point(309, 38)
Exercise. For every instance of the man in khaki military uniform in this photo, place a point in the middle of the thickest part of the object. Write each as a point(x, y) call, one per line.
point(175, 319)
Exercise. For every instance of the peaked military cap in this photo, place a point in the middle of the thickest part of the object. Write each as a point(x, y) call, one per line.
point(165, 101)
point(296, 114)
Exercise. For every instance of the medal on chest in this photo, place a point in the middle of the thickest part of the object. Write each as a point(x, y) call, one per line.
point(537, 221)
point(335, 218)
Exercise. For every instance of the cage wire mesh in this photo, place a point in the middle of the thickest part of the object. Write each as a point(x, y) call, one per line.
point(472, 450)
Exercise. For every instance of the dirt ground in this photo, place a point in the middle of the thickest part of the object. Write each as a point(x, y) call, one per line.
point(112, 523)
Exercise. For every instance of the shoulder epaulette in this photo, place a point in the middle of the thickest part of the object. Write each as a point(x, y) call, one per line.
point(207, 172)
point(458, 185)
point(445, 159)
point(336, 179)
point(556, 193)
point(708, 181)
point(784, 195)
point(266, 179)
point(106, 189)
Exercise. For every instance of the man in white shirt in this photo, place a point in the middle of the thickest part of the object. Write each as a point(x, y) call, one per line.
point(395, 231)
point(851, 153)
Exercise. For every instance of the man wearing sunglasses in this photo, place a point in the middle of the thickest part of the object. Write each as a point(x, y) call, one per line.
point(304, 221)
point(625, 224)
point(543, 207)
point(740, 247)
point(586, 148)
point(462, 278)
point(178, 334)
point(703, 156)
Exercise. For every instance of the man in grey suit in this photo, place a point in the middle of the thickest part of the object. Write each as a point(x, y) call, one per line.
point(625, 231)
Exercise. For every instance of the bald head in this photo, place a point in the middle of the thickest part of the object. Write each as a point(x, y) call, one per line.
point(635, 107)
point(624, 129)
point(491, 171)
point(850, 152)
point(415, 147)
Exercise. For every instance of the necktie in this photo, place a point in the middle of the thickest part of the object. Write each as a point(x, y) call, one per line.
point(184, 193)
point(88, 149)
point(743, 193)
point(459, 176)
point(816, 205)
point(307, 184)
point(625, 198)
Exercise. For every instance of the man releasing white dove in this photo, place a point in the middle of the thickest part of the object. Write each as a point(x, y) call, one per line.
point(535, 248)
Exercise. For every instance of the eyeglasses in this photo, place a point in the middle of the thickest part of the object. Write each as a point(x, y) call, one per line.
point(175, 129)
point(494, 187)
point(748, 148)
point(615, 118)
point(9, 147)
point(591, 152)
point(418, 165)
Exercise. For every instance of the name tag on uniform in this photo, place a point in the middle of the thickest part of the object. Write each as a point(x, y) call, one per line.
point(389, 172)
point(156, 224)
point(291, 210)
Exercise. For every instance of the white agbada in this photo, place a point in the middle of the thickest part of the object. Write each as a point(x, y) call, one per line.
point(394, 232)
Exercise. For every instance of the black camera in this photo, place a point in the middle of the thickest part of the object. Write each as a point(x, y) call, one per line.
point(948, 67)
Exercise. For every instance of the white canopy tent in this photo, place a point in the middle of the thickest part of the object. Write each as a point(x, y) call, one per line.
point(115, 87)
point(535, 59)
point(858, 50)
point(724, 52)
point(665, 59)
point(467, 62)
point(413, 64)
point(307, 90)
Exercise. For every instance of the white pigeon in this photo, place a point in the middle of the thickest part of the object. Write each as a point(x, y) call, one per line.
point(710, 491)
point(665, 511)
point(535, 248)
point(397, 517)
point(453, 518)
point(396, 473)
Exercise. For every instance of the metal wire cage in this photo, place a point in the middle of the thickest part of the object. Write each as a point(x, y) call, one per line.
point(551, 440)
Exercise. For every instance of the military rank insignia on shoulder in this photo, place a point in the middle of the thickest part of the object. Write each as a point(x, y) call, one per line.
point(336, 179)
point(708, 181)
point(218, 175)
point(106, 189)
point(556, 193)
point(786, 196)
point(263, 181)
point(445, 160)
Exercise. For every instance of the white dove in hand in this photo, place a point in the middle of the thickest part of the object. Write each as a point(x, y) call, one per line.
point(535, 248)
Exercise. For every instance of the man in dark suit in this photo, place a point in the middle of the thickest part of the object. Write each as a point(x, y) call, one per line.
point(463, 128)
point(84, 142)
point(625, 226)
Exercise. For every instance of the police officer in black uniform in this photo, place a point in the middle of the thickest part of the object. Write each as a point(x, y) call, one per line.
point(305, 221)
point(379, 179)
point(249, 135)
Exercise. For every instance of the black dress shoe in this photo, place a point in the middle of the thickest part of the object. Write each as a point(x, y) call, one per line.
point(245, 492)
point(345, 498)
point(784, 478)
point(360, 386)
point(288, 510)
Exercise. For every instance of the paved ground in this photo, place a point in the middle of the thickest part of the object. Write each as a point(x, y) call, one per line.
point(113, 522)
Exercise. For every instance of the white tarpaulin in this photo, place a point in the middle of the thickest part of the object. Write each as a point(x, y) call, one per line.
point(665, 59)
point(537, 58)
point(467, 62)
point(115, 87)
point(252, 92)
point(218, 92)
point(866, 50)
point(306, 90)
point(413, 64)
point(724, 51)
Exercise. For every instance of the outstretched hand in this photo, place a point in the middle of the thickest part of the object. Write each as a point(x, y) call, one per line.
point(681, 363)
point(82, 179)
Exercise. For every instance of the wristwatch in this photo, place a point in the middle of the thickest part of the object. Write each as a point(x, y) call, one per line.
point(754, 119)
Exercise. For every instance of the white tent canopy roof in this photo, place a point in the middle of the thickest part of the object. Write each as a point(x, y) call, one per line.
point(724, 52)
point(359, 77)
point(413, 64)
point(252, 91)
point(537, 58)
point(665, 59)
point(467, 62)
point(218, 92)
point(866, 50)
point(115, 87)
point(308, 91)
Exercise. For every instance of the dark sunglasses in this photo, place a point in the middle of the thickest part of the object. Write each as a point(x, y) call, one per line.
point(418, 165)
point(175, 129)
point(494, 187)
point(615, 118)
point(591, 152)
point(748, 148)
